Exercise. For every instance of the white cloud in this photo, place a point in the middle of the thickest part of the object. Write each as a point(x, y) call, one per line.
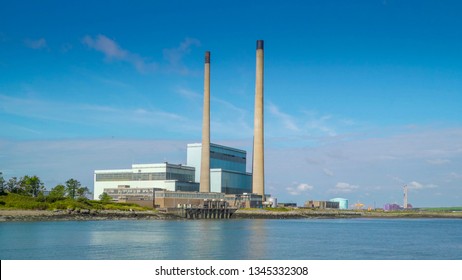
point(107, 46)
point(188, 93)
point(322, 124)
point(36, 44)
point(113, 51)
point(174, 56)
point(299, 189)
point(304, 187)
point(287, 120)
point(342, 187)
point(438, 161)
point(418, 186)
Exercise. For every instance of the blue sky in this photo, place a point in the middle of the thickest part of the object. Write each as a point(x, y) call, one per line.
point(361, 97)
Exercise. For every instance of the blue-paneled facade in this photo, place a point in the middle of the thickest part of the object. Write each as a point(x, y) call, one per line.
point(227, 168)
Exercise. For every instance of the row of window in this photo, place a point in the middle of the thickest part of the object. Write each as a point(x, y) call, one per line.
point(144, 177)
point(129, 191)
point(229, 190)
point(189, 195)
point(227, 157)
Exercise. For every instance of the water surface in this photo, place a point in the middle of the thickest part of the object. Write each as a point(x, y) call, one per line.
point(337, 239)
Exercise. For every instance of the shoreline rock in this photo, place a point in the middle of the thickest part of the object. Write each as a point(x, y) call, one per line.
point(82, 215)
point(340, 214)
point(101, 215)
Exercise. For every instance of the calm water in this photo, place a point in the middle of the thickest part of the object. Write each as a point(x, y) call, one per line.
point(234, 239)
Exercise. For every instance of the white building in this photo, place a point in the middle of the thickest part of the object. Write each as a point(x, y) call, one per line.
point(172, 177)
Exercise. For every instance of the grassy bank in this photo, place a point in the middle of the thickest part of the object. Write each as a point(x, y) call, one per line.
point(20, 202)
point(443, 209)
point(285, 213)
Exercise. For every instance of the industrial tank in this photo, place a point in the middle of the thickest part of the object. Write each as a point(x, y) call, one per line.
point(343, 202)
point(273, 202)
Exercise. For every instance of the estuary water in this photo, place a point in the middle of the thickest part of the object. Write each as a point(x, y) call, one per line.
point(337, 239)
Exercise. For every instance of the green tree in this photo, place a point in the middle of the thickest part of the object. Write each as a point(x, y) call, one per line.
point(72, 186)
point(13, 185)
point(82, 192)
point(2, 185)
point(31, 185)
point(57, 193)
point(104, 197)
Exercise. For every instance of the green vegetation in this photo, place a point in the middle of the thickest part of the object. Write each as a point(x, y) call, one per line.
point(14, 201)
point(278, 209)
point(442, 209)
point(104, 197)
point(27, 193)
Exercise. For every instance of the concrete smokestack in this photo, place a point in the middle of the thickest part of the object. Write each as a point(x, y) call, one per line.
point(205, 153)
point(258, 166)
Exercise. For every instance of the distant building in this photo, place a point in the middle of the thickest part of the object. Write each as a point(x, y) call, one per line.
point(343, 202)
point(322, 204)
point(391, 207)
point(287, 204)
point(173, 177)
point(227, 168)
point(395, 207)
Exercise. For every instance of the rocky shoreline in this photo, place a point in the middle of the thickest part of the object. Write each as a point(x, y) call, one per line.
point(83, 215)
point(293, 214)
point(99, 215)
point(340, 214)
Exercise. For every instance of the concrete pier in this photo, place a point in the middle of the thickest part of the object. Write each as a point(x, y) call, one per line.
point(258, 166)
point(209, 209)
point(205, 153)
point(203, 213)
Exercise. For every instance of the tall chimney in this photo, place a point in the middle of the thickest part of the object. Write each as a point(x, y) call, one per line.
point(405, 197)
point(205, 153)
point(258, 166)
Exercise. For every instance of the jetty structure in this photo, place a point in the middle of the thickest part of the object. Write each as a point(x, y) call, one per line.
point(213, 183)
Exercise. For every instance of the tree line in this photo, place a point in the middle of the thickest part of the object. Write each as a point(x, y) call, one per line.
point(34, 187)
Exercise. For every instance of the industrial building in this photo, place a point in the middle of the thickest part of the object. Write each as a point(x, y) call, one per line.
point(173, 177)
point(227, 168)
point(227, 173)
point(316, 204)
point(343, 202)
point(141, 196)
point(245, 200)
point(169, 199)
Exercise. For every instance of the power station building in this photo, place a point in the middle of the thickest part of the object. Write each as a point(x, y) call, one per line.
point(172, 177)
point(227, 173)
point(227, 168)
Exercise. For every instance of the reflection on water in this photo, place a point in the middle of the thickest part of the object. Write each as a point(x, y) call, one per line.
point(257, 244)
point(233, 239)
